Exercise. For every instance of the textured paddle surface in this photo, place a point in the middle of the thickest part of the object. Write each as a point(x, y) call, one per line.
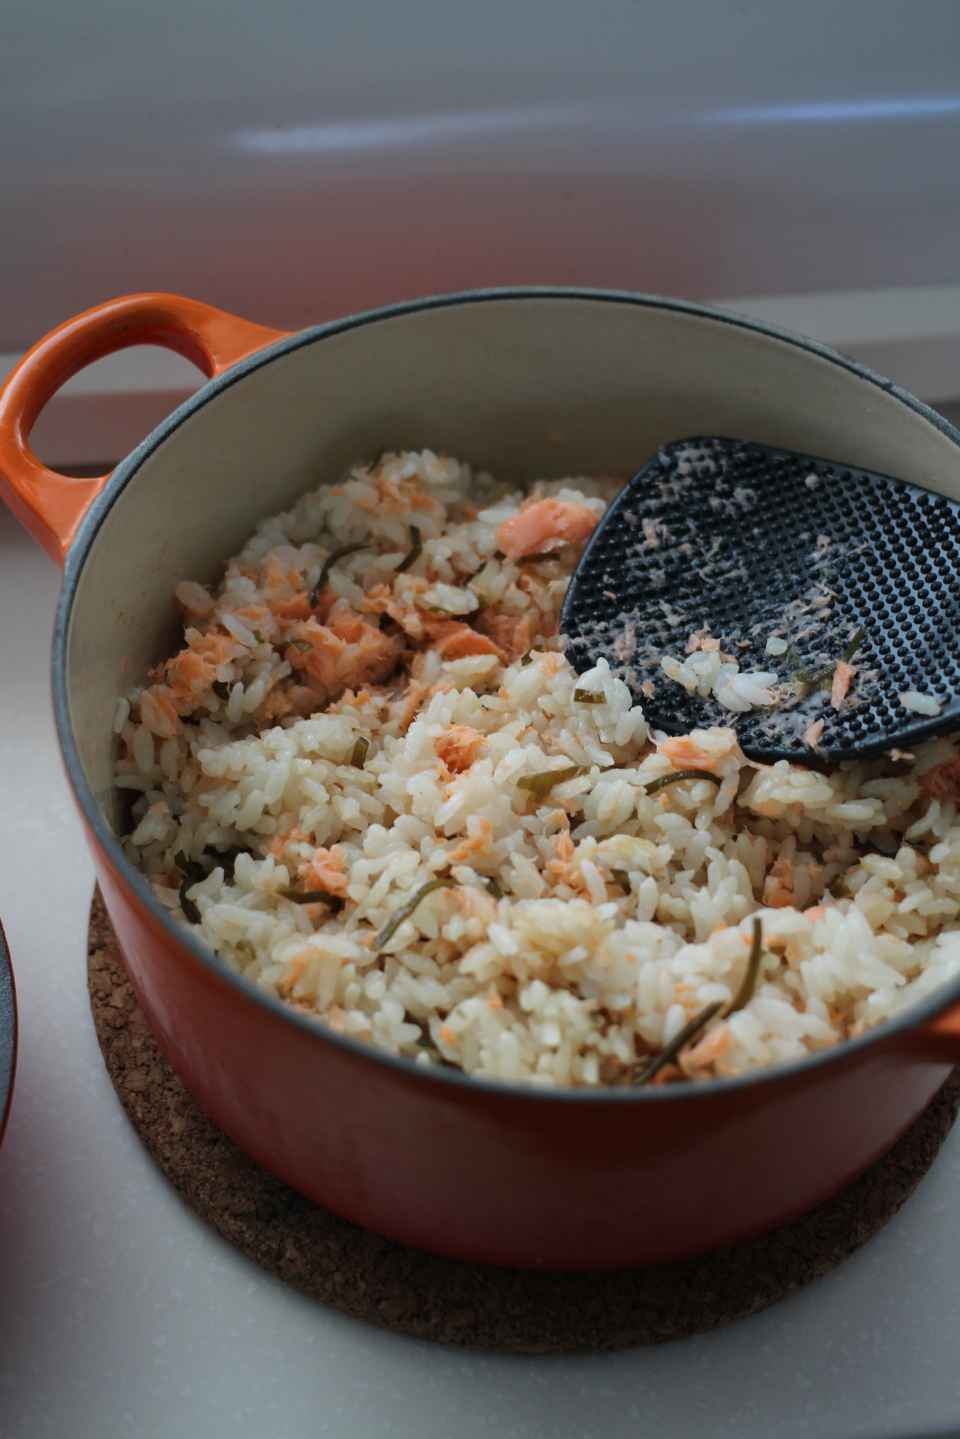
point(738, 542)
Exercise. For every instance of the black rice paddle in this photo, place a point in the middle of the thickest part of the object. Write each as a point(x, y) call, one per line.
point(841, 586)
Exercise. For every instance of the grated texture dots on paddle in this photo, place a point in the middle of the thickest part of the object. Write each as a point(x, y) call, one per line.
point(739, 542)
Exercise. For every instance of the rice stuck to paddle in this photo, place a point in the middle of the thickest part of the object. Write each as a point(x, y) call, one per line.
point(375, 786)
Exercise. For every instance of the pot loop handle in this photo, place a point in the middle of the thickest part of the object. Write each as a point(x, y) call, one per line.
point(51, 505)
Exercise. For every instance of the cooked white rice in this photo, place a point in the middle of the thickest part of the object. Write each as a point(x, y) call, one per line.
point(921, 704)
point(710, 674)
point(584, 923)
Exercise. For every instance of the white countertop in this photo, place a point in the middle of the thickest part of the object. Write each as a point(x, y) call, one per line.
point(122, 1315)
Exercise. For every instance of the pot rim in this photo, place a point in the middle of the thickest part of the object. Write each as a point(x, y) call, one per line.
point(911, 1018)
point(8, 1032)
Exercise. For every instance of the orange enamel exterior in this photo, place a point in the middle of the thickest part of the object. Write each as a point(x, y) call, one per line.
point(497, 1176)
point(480, 1171)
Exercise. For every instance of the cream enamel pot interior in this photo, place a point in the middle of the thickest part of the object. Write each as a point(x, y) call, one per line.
point(524, 383)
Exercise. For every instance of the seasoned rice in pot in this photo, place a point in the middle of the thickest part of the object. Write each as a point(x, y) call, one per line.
point(375, 785)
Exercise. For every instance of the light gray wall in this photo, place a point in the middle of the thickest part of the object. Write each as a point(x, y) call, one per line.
point(293, 160)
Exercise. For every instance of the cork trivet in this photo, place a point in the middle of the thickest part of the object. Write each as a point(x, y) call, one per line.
point(465, 1304)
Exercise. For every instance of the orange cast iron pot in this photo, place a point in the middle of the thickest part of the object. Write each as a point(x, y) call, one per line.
point(523, 383)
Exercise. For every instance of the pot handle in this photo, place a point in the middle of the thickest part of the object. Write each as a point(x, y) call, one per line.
point(52, 505)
